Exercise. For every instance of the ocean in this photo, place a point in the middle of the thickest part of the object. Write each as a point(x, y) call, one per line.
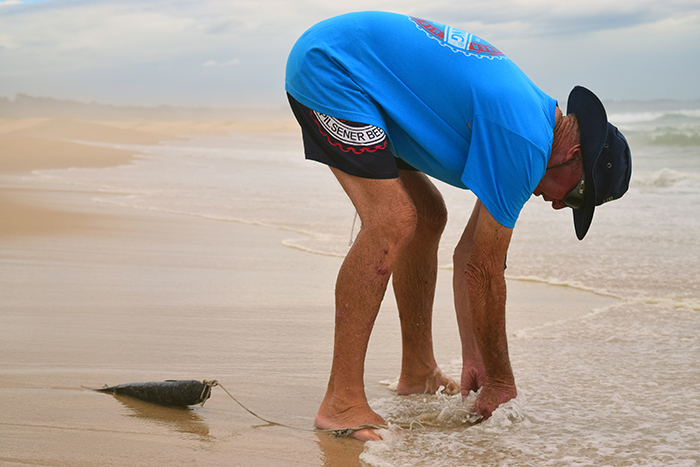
point(619, 386)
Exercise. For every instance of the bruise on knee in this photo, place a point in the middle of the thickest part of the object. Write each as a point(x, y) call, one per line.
point(382, 268)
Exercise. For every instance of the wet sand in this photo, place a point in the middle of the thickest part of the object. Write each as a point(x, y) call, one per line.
point(96, 294)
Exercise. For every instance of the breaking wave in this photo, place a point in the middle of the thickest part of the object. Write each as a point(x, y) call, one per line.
point(677, 128)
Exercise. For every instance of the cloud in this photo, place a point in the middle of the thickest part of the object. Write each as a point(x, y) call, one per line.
point(210, 63)
point(159, 51)
point(556, 17)
point(21, 2)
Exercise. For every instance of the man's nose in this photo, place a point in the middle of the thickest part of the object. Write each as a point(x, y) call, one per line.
point(558, 204)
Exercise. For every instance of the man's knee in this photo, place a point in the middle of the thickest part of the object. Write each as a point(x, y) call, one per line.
point(395, 225)
point(401, 225)
point(430, 205)
point(433, 217)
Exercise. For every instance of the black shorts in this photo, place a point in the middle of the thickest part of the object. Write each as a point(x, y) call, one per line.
point(354, 148)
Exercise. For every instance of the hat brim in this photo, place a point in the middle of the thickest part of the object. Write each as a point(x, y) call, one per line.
point(593, 128)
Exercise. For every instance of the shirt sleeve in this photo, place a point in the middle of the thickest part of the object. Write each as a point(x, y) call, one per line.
point(503, 169)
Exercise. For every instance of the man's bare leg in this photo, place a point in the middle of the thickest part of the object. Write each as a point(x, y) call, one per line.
point(414, 280)
point(388, 221)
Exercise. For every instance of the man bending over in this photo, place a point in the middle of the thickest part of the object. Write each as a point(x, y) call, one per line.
point(386, 100)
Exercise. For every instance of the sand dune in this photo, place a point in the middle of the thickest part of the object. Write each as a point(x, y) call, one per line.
point(58, 143)
point(53, 143)
point(32, 144)
point(71, 130)
point(25, 153)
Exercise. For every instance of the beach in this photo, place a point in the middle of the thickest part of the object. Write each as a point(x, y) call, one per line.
point(108, 281)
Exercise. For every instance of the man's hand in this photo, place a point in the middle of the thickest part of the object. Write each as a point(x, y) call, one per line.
point(473, 378)
point(491, 396)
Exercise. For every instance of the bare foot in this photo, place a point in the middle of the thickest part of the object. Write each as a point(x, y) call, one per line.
point(427, 384)
point(330, 417)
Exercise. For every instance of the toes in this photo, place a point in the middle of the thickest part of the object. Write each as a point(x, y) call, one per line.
point(366, 435)
point(451, 388)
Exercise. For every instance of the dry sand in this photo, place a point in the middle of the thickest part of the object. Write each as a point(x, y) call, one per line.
point(95, 294)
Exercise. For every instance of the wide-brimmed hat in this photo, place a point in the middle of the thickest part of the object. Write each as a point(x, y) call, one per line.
point(607, 162)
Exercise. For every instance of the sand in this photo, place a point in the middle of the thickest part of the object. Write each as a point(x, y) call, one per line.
point(96, 294)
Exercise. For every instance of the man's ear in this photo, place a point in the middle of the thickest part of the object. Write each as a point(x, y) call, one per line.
point(574, 153)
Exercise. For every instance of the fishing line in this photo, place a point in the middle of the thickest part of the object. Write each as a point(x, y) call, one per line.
point(339, 433)
point(352, 230)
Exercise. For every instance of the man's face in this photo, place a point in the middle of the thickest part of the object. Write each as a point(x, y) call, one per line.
point(558, 182)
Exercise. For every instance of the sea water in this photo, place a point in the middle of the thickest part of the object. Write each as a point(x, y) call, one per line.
point(619, 386)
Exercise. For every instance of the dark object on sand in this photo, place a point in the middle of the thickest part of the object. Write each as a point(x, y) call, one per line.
point(179, 393)
point(182, 393)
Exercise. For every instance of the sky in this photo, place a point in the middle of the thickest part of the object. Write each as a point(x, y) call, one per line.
point(218, 53)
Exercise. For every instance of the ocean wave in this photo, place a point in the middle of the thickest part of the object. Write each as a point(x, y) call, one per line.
point(322, 247)
point(307, 241)
point(665, 178)
point(692, 303)
point(674, 137)
point(677, 128)
point(564, 283)
point(600, 391)
point(622, 119)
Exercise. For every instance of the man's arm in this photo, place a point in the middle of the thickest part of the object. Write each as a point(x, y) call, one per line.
point(482, 314)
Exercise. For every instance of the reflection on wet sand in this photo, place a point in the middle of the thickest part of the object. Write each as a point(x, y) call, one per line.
point(180, 419)
point(339, 452)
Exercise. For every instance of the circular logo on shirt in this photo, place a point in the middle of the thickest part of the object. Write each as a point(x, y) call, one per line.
point(457, 40)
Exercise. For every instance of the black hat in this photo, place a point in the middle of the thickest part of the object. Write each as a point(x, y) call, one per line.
point(607, 162)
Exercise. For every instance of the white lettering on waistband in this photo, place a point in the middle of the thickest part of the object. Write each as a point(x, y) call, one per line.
point(366, 135)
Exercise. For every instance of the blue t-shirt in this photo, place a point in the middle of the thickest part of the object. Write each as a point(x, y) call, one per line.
point(453, 106)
